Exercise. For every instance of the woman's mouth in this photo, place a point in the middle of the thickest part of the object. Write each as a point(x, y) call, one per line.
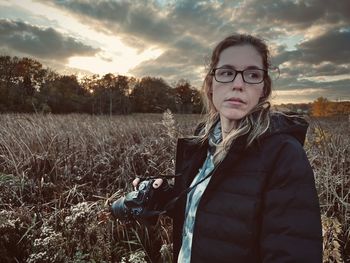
point(235, 101)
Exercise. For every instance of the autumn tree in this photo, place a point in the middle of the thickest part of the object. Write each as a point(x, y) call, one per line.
point(197, 101)
point(343, 108)
point(319, 107)
point(90, 85)
point(20, 80)
point(108, 94)
point(7, 67)
point(322, 107)
point(187, 98)
point(122, 99)
point(64, 94)
point(152, 95)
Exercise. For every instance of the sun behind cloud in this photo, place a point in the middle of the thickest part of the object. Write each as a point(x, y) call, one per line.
point(119, 64)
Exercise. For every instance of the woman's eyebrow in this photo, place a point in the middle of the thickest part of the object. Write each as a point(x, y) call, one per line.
point(233, 67)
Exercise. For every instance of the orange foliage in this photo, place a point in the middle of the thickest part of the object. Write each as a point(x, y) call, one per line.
point(322, 107)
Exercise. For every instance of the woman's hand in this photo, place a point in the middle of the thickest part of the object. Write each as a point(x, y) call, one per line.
point(158, 182)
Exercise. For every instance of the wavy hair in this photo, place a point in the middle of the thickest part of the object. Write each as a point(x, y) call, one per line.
point(257, 121)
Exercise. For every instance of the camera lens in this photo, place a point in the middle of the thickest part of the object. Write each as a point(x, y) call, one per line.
point(119, 210)
point(143, 185)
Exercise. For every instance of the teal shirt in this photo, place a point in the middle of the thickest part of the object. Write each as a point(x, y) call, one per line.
point(194, 196)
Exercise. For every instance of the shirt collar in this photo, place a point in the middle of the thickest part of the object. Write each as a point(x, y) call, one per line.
point(215, 137)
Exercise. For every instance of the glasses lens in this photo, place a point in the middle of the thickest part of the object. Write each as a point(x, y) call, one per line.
point(253, 75)
point(224, 74)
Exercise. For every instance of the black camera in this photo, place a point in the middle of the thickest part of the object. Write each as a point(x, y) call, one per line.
point(142, 204)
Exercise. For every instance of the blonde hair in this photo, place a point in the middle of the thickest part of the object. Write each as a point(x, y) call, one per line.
point(257, 121)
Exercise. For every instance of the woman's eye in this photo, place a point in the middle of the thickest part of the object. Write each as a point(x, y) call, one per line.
point(225, 72)
point(253, 75)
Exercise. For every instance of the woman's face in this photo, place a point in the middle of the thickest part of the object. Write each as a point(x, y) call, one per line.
point(235, 99)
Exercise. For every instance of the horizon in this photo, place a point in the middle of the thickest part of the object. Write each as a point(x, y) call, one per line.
point(173, 39)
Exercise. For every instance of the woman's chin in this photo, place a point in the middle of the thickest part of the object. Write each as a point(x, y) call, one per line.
point(233, 114)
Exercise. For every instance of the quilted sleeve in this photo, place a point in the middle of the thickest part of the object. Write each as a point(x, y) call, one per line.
point(291, 228)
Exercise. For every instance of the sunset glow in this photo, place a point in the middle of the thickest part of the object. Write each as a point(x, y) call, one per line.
point(173, 39)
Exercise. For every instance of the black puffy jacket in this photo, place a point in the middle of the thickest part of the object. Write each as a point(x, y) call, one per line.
point(260, 205)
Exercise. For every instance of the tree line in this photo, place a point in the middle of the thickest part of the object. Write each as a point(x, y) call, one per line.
point(27, 86)
point(322, 107)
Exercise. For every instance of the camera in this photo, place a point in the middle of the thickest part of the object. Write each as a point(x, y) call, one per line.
point(142, 204)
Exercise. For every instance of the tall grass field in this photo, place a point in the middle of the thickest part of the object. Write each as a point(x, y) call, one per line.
point(59, 175)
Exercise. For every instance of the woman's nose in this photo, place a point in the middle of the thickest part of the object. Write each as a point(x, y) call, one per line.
point(238, 82)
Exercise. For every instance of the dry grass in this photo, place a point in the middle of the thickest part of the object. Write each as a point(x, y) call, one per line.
point(58, 175)
point(328, 148)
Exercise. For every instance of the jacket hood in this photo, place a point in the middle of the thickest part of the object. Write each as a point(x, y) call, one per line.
point(293, 125)
point(280, 123)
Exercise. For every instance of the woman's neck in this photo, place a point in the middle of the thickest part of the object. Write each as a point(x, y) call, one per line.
point(227, 126)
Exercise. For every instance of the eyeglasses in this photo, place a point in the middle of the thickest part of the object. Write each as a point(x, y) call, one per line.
point(250, 76)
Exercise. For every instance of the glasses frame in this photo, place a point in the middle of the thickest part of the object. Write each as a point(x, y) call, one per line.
point(242, 74)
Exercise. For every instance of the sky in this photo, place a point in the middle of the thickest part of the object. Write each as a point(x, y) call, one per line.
point(309, 40)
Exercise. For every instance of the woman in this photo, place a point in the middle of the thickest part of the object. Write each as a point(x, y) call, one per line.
point(253, 197)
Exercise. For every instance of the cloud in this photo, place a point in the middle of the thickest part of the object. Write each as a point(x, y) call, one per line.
point(309, 39)
point(326, 69)
point(310, 90)
point(324, 58)
point(136, 23)
point(296, 15)
point(145, 23)
point(171, 67)
point(181, 32)
point(293, 13)
point(40, 42)
point(332, 46)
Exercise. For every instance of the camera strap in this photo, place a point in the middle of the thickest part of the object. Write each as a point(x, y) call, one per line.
point(172, 202)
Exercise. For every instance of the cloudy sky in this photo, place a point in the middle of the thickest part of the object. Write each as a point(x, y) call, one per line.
point(309, 40)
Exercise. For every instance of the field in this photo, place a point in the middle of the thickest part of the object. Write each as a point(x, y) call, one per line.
point(60, 173)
